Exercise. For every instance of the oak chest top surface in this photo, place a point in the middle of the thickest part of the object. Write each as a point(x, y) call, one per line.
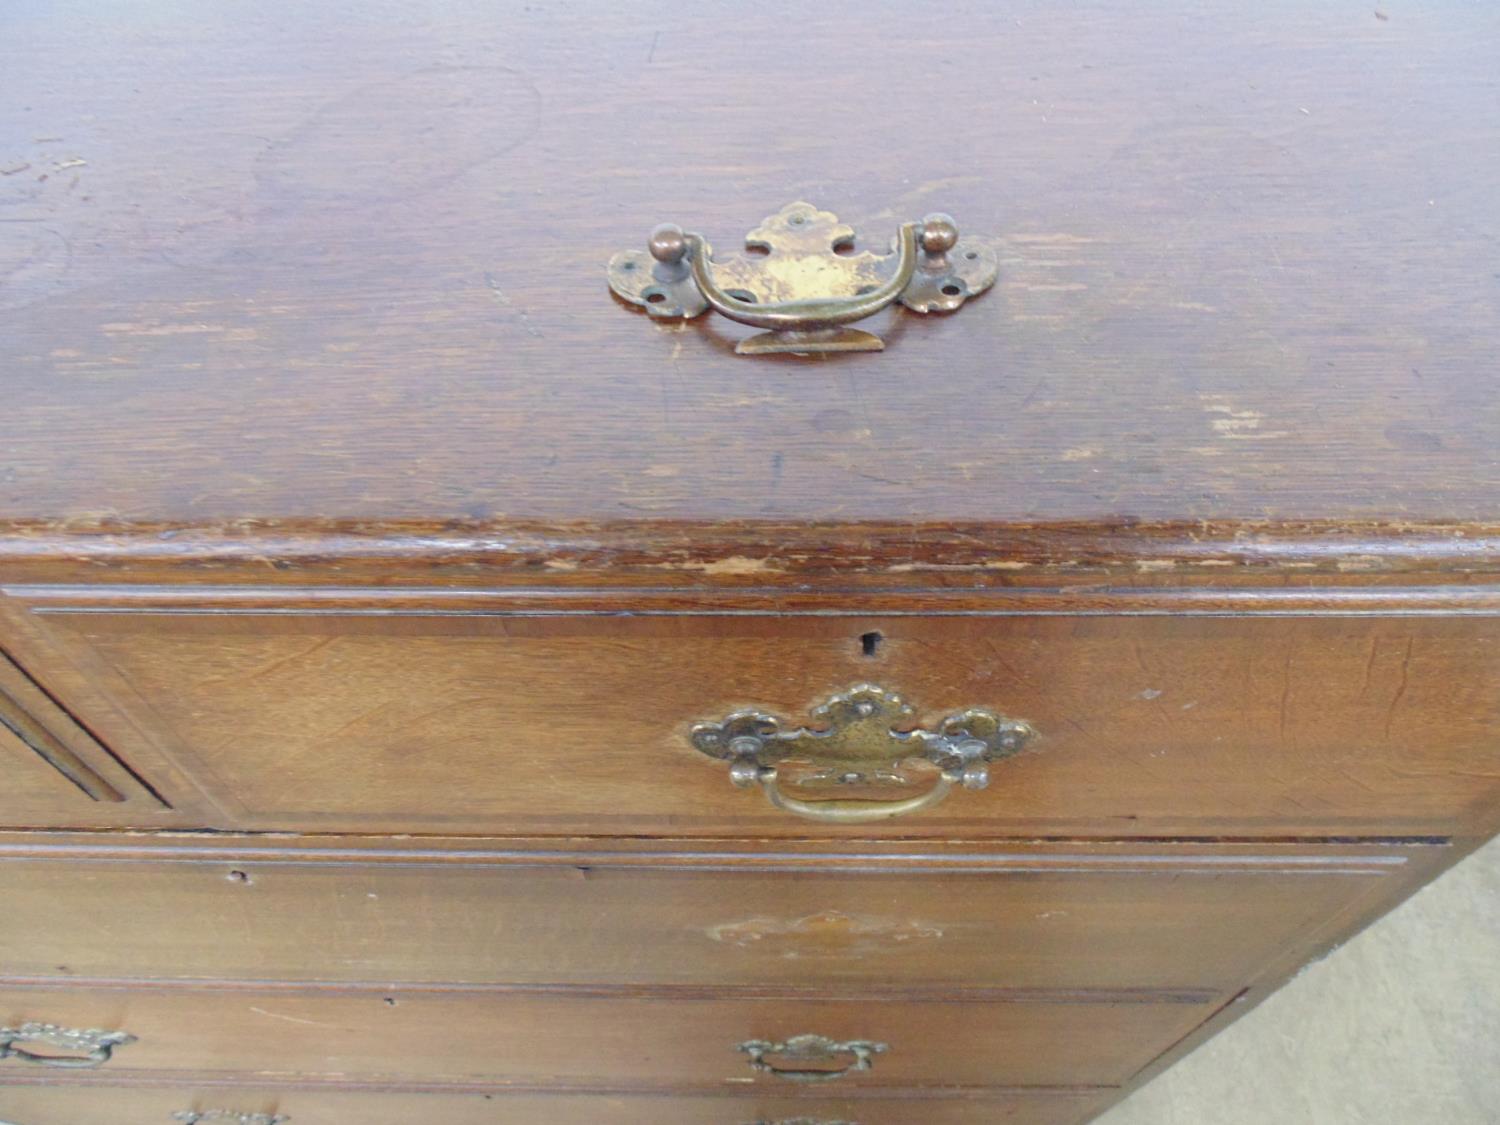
point(343, 265)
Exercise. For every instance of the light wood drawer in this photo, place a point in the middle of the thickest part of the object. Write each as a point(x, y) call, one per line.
point(453, 912)
point(153, 1105)
point(621, 1042)
point(391, 712)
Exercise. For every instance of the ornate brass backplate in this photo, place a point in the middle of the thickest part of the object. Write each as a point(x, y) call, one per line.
point(804, 1052)
point(800, 278)
point(229, 1117)
point(856, 741)
point(93, 1047)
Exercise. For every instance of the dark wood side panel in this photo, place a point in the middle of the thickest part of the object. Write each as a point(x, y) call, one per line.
point(1059, 919)
point(93, 1104)
point(350, 714)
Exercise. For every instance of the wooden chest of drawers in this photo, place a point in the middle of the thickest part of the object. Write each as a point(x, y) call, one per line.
point(435, 689)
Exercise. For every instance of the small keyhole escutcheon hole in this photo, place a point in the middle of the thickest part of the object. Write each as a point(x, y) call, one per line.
point(869, 644)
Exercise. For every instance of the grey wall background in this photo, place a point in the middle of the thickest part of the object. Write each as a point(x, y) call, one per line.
point(1401, 1026)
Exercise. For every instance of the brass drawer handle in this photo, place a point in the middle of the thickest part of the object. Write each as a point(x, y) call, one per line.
point(231, 1117)
point(98, 1046)
point(786, 288)
point(856, 743)
point(811, 1049)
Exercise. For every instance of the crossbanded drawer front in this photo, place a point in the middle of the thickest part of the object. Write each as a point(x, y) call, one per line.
point(402, 1035)
point(52, 771)
point(198, 1104)
point(1049, 918)
point(377, 711)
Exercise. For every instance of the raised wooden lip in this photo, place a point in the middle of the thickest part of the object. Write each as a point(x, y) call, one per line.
point(491, 600)
point(759, 552)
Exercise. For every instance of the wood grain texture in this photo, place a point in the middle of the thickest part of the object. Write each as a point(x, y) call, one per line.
point(1195, 922)
point(292, 263)
point(619, 1043)
point(368, 714)
point(103, 1105)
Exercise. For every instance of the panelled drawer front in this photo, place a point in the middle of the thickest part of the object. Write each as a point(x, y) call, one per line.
point(1182, 918)
point(335, 715)
point(59, 1105)
point(617, 1041)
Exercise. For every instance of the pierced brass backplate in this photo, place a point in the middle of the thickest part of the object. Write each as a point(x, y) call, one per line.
point(856, 741)
point(229, 1117)
point(800, 278)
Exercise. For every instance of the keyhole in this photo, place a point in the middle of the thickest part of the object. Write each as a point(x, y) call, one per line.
point(869, 643)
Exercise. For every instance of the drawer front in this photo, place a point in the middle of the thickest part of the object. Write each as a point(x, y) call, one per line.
point(446, 1037)
point(428, 716)
point(1194, 919)
point(75, 1105)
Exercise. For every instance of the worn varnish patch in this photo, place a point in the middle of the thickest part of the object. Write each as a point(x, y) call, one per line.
point(830, 933)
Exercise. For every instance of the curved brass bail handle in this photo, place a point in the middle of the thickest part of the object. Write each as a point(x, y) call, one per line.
point(806, 315)
point(860, 735)
point(99, 1045)
point(862, 1054)
point(854, 812)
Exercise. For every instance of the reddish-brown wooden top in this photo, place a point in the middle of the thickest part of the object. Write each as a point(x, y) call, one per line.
point(281, 262)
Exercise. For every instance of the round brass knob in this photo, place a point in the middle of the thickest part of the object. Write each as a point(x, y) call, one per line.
point(668, 244)
point(939, 233)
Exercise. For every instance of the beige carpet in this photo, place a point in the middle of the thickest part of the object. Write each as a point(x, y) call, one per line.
point(1401, 1026)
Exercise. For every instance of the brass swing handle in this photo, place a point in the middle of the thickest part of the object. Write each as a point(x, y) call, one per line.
point(811, 1048)
point(98, 1047)
point(801, 280)
point(806, 315)
point(855, 741)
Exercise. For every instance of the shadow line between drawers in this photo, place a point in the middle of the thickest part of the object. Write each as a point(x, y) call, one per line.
point(946, 994)
point(207, 850)
point(260, 1080)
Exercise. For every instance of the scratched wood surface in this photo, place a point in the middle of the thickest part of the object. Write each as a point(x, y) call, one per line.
point(345, 263)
